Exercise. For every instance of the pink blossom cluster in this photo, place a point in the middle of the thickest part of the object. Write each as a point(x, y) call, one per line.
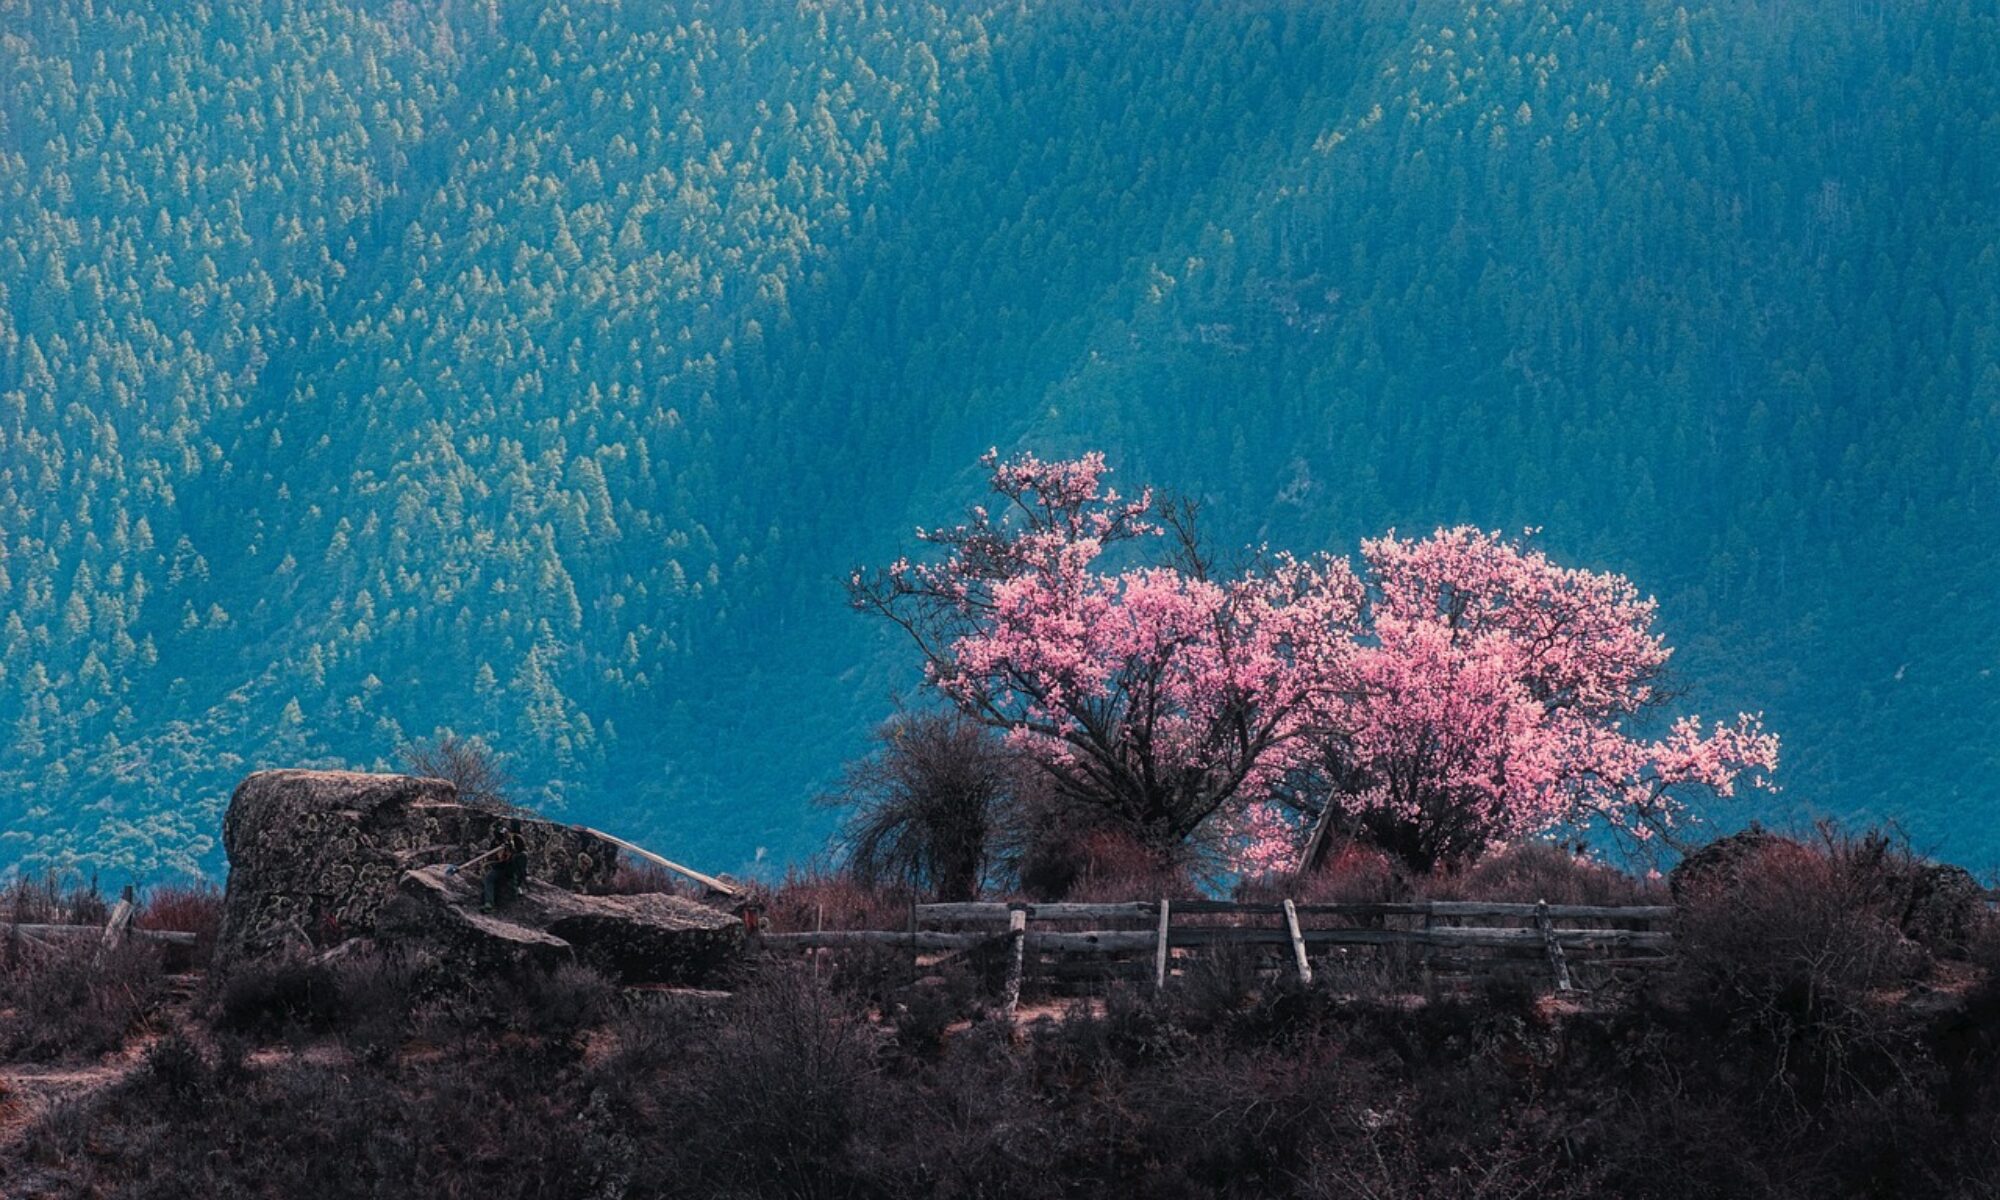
point(1500, 684)
point(1462, 677)
point(1262, 839)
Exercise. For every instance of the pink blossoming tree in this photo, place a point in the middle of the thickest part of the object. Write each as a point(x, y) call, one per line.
point(1464, 692)
point(1496, 696)
point(1156, 693)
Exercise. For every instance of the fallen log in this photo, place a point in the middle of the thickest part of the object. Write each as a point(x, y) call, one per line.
point(997, 912)
point(921, 940)
point(172, 936)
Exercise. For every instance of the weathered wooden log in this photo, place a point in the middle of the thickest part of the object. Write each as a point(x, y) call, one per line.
point(1433, 908)
point(1559, 912)
point(1298, 943)
point(998, 912)
point(1442, 935)
point(173, 936)
point(921, 940)
point(708, 881)
point(116, 925)
point(1139, 941)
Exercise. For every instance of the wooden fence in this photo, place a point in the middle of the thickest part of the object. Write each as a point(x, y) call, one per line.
point(1102, 941)
point(117, 928)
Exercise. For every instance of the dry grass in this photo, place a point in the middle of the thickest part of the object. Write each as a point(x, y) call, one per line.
point(812, 899)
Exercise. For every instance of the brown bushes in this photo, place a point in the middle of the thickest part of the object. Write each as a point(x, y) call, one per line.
point(815, 899)
point(53, 898)
point(643, 879)
point(68, 999)
point(1797, 952)
point(1535, 870)
point(189, 907)
point(1783, 1056)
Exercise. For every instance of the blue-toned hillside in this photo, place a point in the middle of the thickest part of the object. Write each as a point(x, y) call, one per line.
point(539, 371)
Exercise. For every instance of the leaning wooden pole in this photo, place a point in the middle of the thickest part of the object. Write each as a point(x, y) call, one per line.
point(1160, 951)
point(1298, 943)
point(117, 923)
point(707, 881)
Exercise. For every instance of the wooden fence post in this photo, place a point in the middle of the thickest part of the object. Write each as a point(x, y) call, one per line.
point(1556, 959)
point(1424, 954)
point(1160, 955)
point(1017, 937)
point(116, 924)
point(1298, 943)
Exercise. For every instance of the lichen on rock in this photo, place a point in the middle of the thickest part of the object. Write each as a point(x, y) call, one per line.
point(318, 857)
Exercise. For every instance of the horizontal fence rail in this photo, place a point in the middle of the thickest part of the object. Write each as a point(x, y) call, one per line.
point(996, 911)
point(1123, 941)
point(169, 936)
point(1614, 935)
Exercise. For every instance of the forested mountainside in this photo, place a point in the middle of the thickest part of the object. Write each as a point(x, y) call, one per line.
point(537, 371)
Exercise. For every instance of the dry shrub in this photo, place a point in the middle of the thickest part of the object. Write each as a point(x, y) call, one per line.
point(924, 809)
point(1939, 907)
point(190, 908)
point(642, 879)
point(53, 898)
point(1982, 948)
point(70, 999)
point(1530, 871)
point(1355, 874)
point(779, 1092)
point(1105, 865)
point(468, 764)
point(1794, 914)
point(812, 899)
point(269, 996)
point(925, 1011)
point(1216, 983)
point(1789, 953)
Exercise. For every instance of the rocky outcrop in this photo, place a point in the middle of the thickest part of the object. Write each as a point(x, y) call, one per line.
point(1941, 905)
point(652, 938)
point(314, 855)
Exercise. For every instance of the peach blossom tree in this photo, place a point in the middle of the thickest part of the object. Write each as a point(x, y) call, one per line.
point(1156, 693)
point(1462, 691)
point(1497, 695)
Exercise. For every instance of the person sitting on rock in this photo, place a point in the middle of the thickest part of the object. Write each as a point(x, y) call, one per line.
point(508, 869)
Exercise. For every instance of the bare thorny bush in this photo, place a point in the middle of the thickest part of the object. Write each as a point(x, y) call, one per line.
point(52, 898)
point(1794, 951)
point(790, 1073)
point(73, 998)
point(925, 807)
point(468, 764)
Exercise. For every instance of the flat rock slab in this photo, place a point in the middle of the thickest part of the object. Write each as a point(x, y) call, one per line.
point(652, 939)
point(314, 855)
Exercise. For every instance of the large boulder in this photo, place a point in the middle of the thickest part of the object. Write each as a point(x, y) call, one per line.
point(652, 938)
point(314, 855)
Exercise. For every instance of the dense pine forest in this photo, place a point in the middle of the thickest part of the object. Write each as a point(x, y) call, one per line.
point(537, 372)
